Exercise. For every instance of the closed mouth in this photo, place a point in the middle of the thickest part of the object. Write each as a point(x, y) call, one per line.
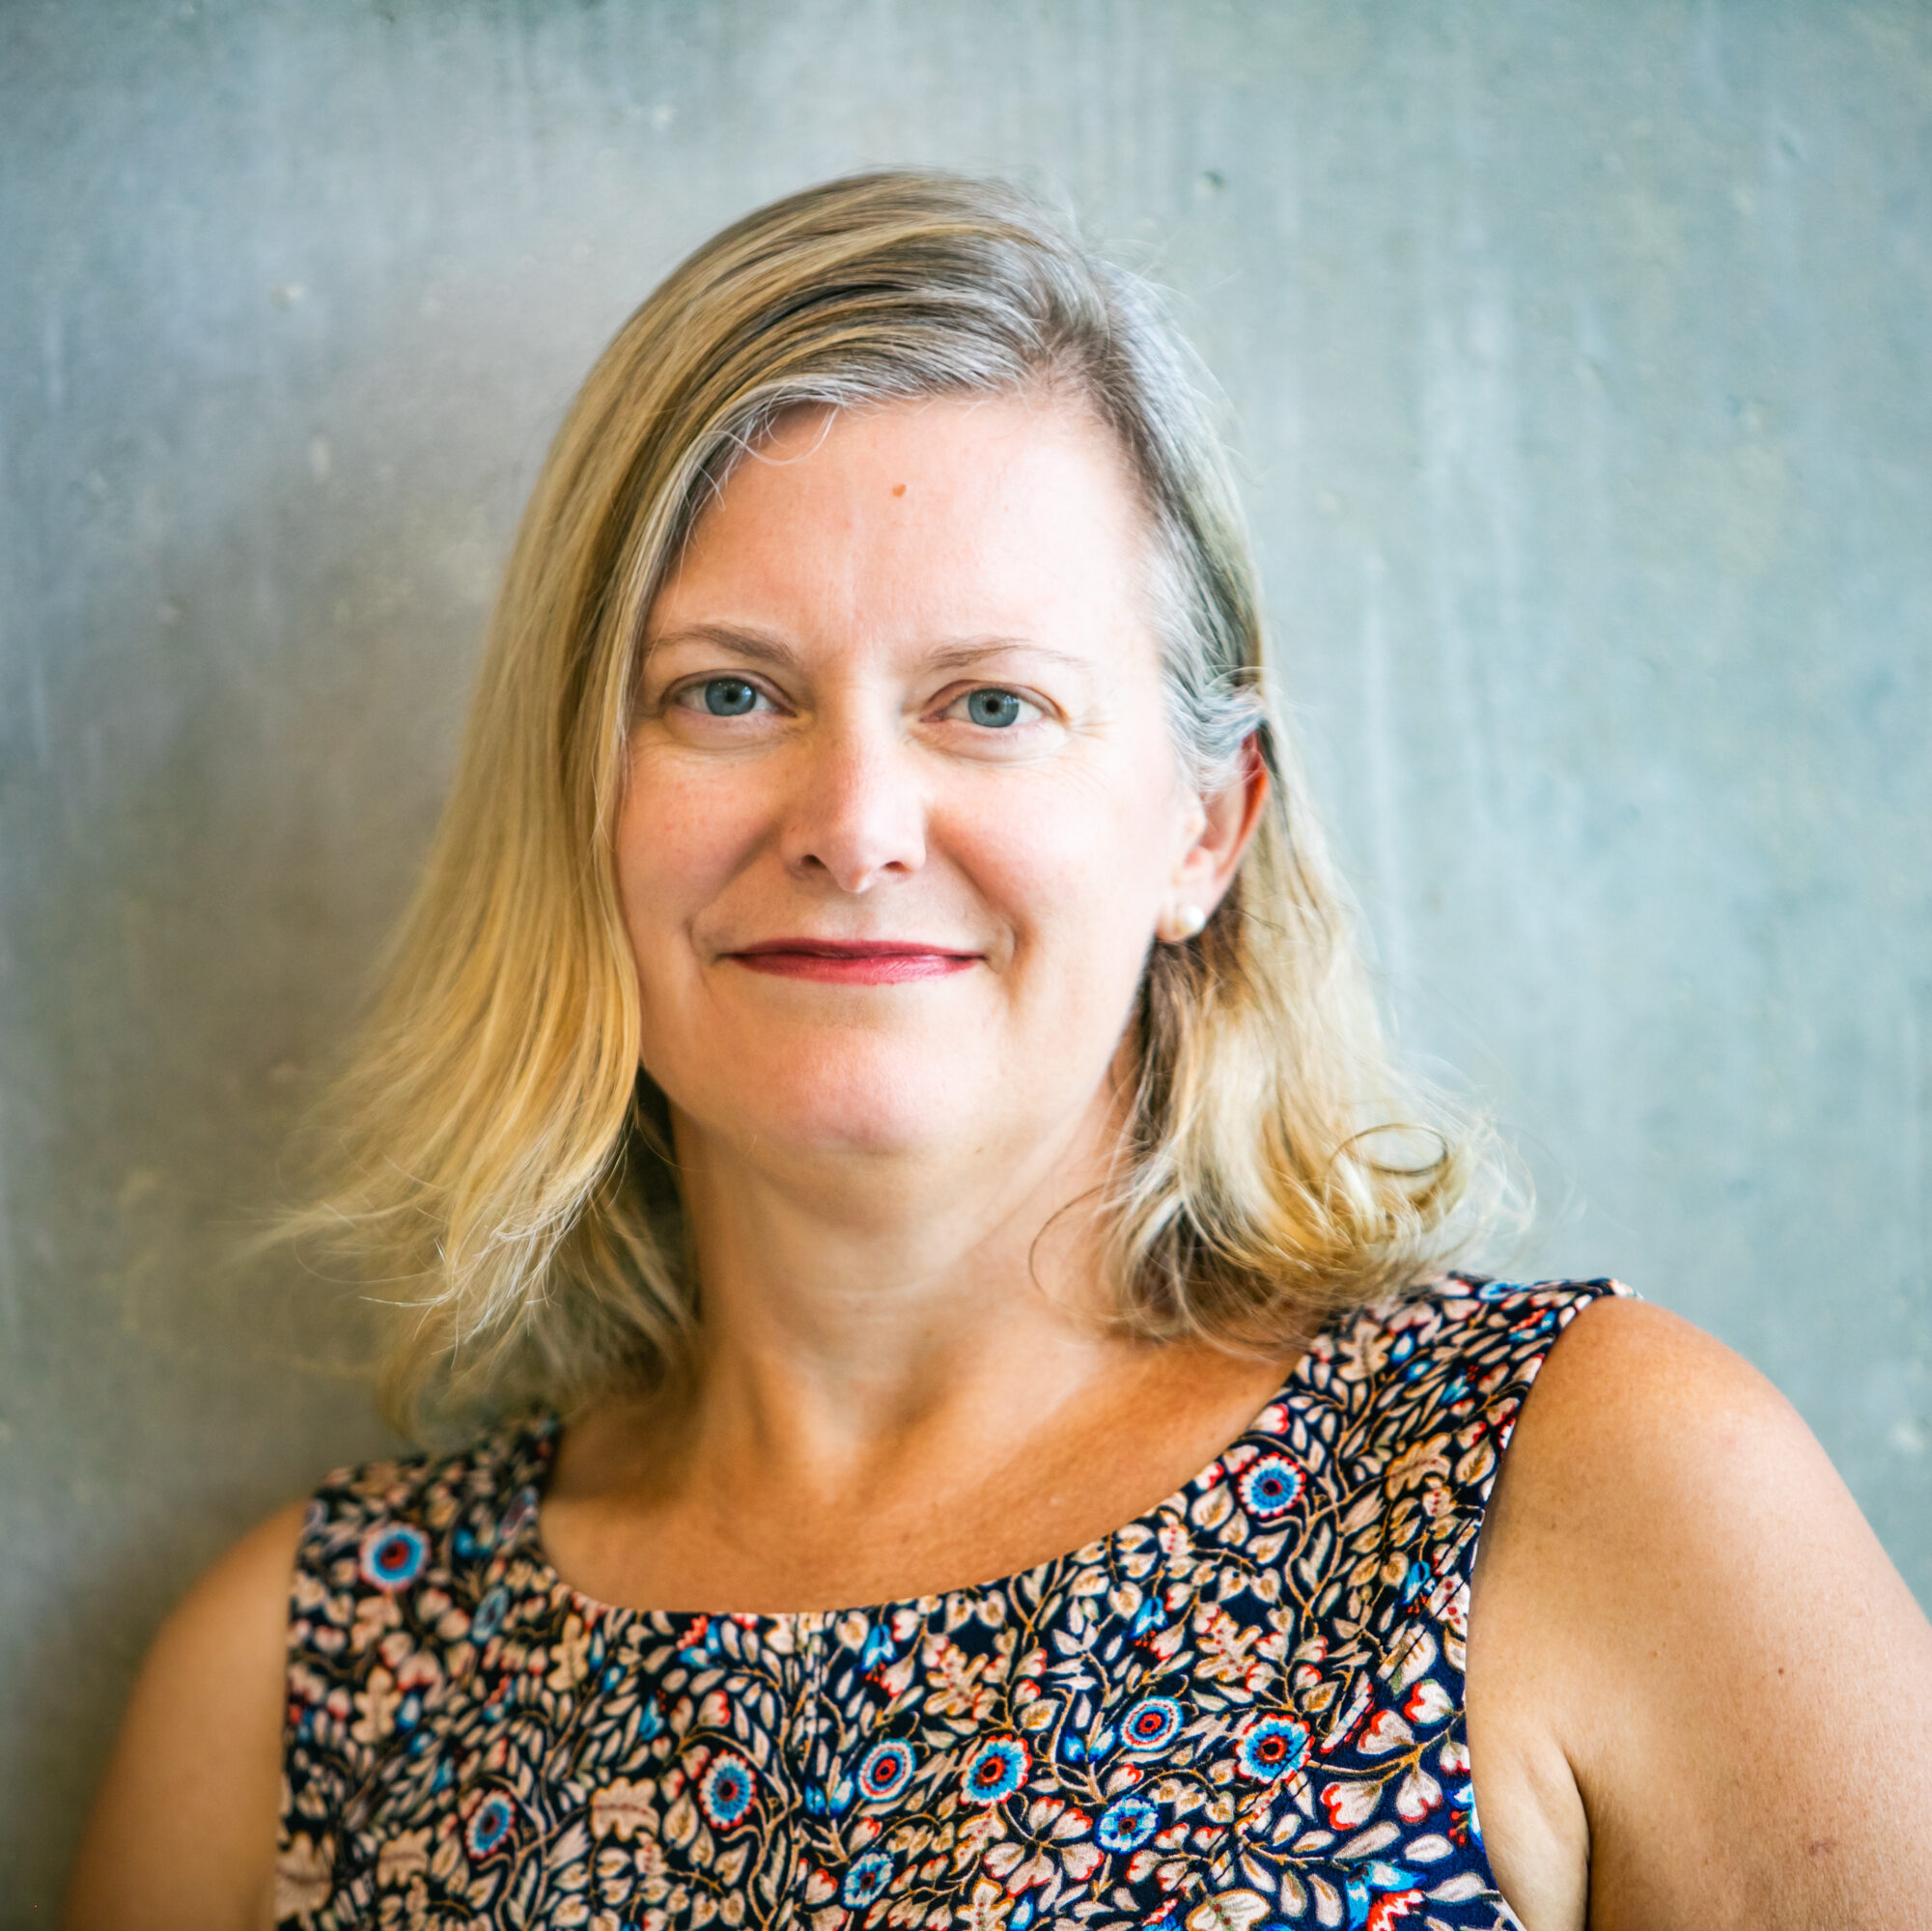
point(853, 962)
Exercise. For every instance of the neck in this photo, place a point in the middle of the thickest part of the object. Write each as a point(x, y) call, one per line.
point(854, 1303)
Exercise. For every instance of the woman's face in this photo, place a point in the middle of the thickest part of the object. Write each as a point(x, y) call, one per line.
point(901, 809)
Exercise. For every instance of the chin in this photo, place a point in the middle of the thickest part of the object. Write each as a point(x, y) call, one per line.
point(860, 1112)
point(862, 1097)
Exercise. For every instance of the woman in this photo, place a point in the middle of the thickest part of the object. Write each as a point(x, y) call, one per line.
point(875, 1088)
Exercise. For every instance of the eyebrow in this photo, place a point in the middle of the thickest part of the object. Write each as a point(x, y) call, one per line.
point(953, 653)
point(751, 644)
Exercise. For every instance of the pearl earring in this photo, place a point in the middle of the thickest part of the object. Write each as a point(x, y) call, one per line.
point(1183, 923)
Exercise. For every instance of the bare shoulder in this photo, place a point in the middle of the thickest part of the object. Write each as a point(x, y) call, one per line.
point(182, 1831)
point(1626, 1375)
point(1688, 1657)
point(1644, 1438)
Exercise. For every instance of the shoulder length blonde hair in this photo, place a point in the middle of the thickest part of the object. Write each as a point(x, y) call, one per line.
point(505, 1165)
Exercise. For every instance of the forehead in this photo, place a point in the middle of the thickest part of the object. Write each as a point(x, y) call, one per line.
point(985, 514)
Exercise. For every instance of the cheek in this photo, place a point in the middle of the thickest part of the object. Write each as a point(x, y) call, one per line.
point(1078, 869)
point(679, 838)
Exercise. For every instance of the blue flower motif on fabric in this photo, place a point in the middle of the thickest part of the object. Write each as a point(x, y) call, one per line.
point(490, 1824)
point(1152, 1723)
point(1270, 1487)
point(1376, 1897)
point(886, 1770)
point(1127, 1824)
point(393, 1556)
point(868, 1876)
point(489, 1614)
point(701, 1645)
point(1414, 1583)
point(996, 1770)
point(725, 1790)
point(1270, 1747)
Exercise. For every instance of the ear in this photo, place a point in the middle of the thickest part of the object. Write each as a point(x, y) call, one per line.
point(1227, 822)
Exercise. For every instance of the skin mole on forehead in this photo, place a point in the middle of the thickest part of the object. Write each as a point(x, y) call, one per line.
point(898, 488)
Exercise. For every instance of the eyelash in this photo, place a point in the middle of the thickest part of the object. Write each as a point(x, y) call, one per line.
point(966, 697)
point(694, 687)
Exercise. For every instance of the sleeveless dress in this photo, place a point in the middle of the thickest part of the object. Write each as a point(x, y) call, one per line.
point(1243, 1710)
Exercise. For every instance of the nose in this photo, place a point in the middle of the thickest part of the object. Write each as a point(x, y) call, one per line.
point(856, 814)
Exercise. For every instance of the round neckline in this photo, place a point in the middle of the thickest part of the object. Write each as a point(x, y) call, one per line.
point(544, 1434)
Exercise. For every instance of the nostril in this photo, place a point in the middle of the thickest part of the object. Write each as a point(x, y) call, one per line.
point(863, 818)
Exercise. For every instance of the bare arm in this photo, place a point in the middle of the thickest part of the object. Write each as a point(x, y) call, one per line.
point(182, 1831)
point(1699, 1694)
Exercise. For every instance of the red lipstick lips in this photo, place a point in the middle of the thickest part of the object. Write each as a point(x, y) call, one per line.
point(857, 962)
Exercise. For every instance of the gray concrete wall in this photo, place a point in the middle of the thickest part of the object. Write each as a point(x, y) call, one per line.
point(1582, 363)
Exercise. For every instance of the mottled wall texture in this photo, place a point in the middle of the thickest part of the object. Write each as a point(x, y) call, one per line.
point(1580, 358)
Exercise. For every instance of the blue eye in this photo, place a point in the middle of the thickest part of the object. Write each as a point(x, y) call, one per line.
point(993, 709)
point(729, 696)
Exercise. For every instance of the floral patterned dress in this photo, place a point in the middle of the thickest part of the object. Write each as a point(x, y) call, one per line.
point(1241, 1710)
